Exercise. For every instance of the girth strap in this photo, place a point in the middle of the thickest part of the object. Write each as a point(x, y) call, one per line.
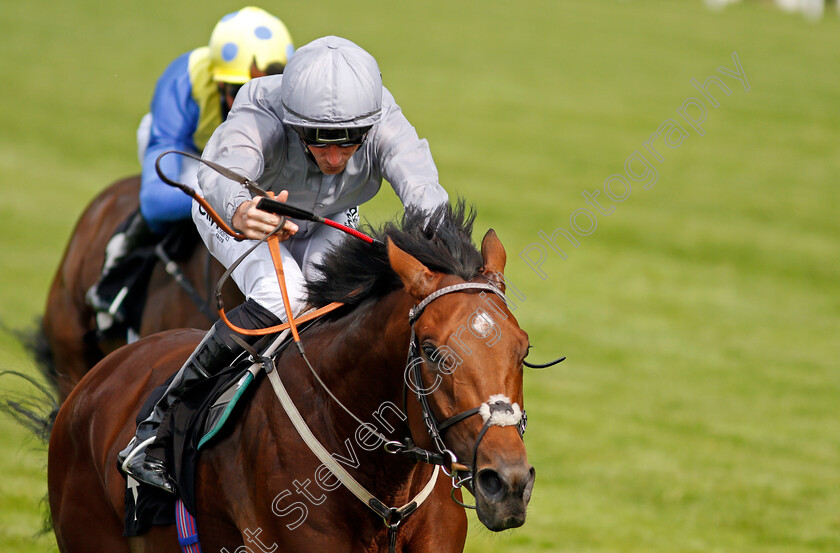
point(187, 531)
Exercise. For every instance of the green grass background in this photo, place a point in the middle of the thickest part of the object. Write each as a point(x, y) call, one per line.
point(698, 409)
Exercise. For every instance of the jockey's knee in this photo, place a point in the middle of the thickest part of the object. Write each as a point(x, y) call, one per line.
point(267, 294)
point(250, 315)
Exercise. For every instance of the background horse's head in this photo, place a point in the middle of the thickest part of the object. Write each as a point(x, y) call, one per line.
point(469, 354)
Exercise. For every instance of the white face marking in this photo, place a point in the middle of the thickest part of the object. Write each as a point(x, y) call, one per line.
point(482, 324)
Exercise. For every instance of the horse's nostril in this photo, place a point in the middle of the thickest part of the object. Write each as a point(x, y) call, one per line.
point(526, 494)
point(490, 482)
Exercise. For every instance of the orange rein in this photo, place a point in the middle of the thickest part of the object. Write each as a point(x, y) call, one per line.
point(274, 247)
point(215, 216)
point(281, 327)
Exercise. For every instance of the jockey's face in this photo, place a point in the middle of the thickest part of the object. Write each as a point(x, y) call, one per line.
point(332, 159)
point(229, 90)
point(229, 93)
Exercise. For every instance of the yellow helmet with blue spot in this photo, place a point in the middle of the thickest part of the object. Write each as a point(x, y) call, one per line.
point(245, 38)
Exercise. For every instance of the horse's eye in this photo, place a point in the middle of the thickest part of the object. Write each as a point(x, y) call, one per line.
point(429, 350)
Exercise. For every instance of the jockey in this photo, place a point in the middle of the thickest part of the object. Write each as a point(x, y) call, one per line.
point(191, 99)
point(322, 135)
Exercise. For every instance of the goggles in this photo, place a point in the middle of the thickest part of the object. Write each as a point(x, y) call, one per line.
point(321, 138)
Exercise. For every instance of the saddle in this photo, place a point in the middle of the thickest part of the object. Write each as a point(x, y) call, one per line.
point(202, 415)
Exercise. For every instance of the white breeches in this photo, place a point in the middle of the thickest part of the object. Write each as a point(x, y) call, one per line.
point(256, 277)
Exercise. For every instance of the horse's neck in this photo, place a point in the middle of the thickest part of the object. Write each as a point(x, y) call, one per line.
point(363, 364)
point(366, 355)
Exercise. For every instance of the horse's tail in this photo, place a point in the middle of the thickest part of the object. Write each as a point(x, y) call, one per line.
point(34, 410)
point(37, 345)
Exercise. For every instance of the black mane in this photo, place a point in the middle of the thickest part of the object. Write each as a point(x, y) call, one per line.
point(354, 270)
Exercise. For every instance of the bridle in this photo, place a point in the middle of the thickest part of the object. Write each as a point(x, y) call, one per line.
point(497, 411)
point(461, 473)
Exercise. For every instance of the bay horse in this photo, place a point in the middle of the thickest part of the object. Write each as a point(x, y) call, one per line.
point(259, 487)
point(68, 328)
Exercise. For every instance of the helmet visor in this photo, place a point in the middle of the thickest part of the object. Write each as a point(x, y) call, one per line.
point(319, 138)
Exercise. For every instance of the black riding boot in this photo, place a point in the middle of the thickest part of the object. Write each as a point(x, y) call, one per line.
point(215, 352)
point(105, 297)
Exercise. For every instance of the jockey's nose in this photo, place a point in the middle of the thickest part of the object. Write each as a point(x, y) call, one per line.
point(334, 154)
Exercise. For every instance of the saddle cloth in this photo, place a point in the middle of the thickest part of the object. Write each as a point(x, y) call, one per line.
point(200, 412)
point(203, 414)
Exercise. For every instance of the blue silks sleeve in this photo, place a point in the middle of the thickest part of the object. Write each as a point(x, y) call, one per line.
point(175, 117)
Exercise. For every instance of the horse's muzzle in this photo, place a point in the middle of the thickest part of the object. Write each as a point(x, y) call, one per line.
point(502, 495)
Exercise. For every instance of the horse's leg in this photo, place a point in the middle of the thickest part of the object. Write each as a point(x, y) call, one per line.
point(65, 328)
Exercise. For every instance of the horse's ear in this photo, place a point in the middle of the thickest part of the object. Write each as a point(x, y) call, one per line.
point(495, 258)
point(416, 277)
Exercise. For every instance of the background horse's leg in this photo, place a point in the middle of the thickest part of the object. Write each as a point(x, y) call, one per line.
point(67, 335)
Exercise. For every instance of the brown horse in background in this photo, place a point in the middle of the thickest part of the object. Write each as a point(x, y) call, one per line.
point(256, 482)
point(69, 326)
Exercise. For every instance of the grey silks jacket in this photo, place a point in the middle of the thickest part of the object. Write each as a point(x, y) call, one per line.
point(254, 142)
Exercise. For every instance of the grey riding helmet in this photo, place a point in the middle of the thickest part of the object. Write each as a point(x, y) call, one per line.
point(331, 91)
